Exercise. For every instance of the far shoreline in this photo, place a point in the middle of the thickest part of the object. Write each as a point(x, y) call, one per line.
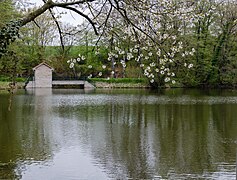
point(5, 85)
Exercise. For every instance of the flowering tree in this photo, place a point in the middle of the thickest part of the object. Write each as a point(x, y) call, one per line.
point(148, 33)
point(151, 28)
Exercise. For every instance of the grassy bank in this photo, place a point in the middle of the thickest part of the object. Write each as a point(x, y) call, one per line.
point(8, 79)
point(5, 81)
point(119, 82)
point(5, 85)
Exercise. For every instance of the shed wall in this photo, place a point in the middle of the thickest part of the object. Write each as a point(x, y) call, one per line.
point(43, 76)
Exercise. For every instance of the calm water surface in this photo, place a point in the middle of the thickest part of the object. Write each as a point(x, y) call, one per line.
point(118, 134)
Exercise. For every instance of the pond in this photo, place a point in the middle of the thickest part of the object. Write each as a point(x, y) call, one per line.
point(64, 134)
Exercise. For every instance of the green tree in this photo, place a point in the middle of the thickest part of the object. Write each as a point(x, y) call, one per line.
point(156, 36)
point(224, 54)
point(7, 12)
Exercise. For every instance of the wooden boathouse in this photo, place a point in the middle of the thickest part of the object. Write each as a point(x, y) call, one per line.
point(43, 78)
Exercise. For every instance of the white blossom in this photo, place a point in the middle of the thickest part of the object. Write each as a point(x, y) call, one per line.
point(71, 65)
point(190, 66)
point(152, 64)
point(158, 53)
point(90, 76)
point(167, 79)
point(135, 50)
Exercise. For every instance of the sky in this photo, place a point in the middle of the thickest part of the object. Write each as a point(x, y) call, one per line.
point(70, 17)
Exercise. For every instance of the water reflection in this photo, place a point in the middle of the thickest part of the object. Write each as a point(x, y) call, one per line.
point(73, 134)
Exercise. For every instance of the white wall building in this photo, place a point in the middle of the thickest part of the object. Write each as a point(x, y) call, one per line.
point(43, 75)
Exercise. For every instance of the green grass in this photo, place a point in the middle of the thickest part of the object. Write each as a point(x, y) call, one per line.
point(5, 85)
point(4, 82)
point(8, 79)
point(120, 80)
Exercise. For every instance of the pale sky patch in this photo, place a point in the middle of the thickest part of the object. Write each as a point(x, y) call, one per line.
point(71, 17)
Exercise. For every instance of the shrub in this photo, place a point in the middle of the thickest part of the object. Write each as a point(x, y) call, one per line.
point(120, 80)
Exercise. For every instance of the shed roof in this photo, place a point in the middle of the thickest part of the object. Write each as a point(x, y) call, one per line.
point(41, 64)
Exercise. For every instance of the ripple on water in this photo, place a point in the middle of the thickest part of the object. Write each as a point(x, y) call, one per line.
point(103, 99)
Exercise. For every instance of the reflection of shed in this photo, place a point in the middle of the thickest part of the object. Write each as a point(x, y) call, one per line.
point(43, 75)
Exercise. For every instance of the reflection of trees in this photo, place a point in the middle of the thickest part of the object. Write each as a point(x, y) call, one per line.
point(224, 118)
point(146, 140)
point(128, 135)
point(184, 145)
point(22, 136)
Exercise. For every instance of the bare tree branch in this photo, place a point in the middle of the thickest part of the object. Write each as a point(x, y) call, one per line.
point(58, 26)
point(85, 16)
point(106, 20)
point(50, 4)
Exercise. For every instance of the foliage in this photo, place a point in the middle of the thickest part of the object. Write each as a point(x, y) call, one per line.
point(192, 42)
point(6, 12)
point(120, 80)
point(8, 79)
point(8, 34)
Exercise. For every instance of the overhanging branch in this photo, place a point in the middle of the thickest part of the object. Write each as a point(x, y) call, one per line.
point(85, 16)
point(58, 27)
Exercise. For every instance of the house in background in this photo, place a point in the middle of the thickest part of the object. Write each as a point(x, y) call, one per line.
point(42, 76)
